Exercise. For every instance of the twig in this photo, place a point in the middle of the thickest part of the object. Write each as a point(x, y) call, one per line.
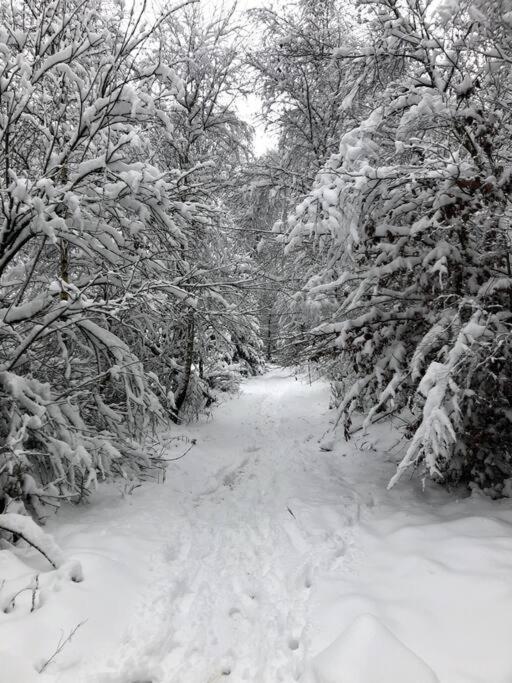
point(290, 511)
point(377, 419)
point(61, 645)
point(183, 455)
point(35, 588)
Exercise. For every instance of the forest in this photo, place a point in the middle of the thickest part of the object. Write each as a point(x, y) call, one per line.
point(153, 261)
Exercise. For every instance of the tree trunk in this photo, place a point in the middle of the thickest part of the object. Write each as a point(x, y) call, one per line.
point(63, 245)
point(64, 266)
point(189, 355)
point(269, 337)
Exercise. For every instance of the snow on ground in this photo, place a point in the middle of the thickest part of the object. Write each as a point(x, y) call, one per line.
point(264, 558)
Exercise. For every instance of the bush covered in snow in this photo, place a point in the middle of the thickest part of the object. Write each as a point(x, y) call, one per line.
point(408, 302)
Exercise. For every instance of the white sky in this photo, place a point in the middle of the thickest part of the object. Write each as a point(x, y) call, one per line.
point(248, 110)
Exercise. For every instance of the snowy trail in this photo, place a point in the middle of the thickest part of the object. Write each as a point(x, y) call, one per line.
point(263, 559)
point(232, 584)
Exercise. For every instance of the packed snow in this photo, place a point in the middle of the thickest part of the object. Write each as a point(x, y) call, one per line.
point(271, 552)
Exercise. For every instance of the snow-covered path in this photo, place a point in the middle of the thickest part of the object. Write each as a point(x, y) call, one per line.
point(242, 541)
point(263, 558)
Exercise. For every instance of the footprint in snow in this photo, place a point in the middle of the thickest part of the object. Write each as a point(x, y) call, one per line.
point(230, 480)
point(293, 644)
point(340, 550)
point(307, 576)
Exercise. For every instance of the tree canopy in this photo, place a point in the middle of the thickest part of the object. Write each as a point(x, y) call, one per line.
point(148, 259)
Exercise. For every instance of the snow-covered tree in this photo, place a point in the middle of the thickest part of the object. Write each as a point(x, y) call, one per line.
point(90, 233)
point(304, 89)
point(217, 337)
point(307, 100)
point(413, 304)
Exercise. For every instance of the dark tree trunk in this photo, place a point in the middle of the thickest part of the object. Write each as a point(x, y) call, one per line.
point(269, 337)
point(189, 355)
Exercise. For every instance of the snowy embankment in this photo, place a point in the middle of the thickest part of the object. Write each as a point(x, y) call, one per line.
point(263, 558)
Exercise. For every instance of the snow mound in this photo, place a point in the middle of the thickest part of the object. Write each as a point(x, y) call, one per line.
point(368, 652)
point(15, 670)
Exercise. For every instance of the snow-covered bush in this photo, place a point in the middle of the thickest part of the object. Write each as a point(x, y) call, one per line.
point(412, 301)
point(90, 239)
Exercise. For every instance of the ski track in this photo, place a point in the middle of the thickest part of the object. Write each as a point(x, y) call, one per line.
point(241, 547)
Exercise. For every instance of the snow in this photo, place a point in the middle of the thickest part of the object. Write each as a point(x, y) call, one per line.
point(30, 309)
point(368, 652)
point(14, 670)
point(265, 558)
